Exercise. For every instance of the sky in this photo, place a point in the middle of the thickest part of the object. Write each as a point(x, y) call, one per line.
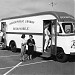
point(9, 8)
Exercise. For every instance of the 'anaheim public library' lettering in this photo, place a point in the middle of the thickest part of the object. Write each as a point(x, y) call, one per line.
point(21, 21)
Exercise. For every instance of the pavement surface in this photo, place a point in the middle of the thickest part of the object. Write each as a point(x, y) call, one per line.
point(10, 65)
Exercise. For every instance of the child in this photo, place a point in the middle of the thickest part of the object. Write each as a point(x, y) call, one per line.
point(23, 47)
point(30, 44)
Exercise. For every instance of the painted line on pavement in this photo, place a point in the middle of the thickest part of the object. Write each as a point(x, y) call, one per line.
point(25, 64)
point(18, 65)
point(9, 56)
point(35, 63)
point(6, 67)
point(12, 68)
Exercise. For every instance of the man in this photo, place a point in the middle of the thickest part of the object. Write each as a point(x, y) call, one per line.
point(47, 36)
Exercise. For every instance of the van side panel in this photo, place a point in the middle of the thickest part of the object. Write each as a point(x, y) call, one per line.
point(28, 25)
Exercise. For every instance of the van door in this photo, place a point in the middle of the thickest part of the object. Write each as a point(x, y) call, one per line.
point(3, 29)
point(46, 33)
point(52, 28)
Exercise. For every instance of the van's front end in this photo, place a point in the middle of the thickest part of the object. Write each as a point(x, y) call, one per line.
point(65, 40)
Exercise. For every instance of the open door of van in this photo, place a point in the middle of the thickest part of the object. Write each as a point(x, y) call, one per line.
point(3, 30)
point(49, 40)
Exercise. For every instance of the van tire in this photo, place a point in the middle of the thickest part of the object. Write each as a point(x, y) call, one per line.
point(12, 46)
point(61, 56)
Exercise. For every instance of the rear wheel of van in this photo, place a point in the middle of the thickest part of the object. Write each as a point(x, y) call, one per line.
point(12, 46)
point(61, 56)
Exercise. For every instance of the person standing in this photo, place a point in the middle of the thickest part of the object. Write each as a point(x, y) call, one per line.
point(31, 44)
point(1, 36)
point(23, 47)
point(47, 37)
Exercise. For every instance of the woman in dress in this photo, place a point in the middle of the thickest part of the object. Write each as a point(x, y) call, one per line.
point(31, 44)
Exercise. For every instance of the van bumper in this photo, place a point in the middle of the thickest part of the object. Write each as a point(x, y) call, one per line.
point(72, 53)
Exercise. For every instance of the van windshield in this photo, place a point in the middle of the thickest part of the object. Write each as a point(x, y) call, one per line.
point(67, 27)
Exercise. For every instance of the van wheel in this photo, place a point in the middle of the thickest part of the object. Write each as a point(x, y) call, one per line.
point(12, 46)
point(61, 56)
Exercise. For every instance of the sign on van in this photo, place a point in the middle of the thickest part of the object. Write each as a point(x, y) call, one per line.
point(62, 17)
point(20, 28)
point(22, 21)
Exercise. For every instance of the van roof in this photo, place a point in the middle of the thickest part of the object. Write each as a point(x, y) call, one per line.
point(61, 16)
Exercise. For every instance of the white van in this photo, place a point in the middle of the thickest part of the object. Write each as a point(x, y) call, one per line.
point(62, 41)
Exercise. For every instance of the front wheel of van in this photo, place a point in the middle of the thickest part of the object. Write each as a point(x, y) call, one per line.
point(61, 56)
point(12, 46)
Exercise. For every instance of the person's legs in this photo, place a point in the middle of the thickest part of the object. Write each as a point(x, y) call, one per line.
point(28, 54)
point(46, 43)
point(31, 56)
point(32, 52)
point(21, 56)
point(49, 44)
point(28, 57)
point(22, 53)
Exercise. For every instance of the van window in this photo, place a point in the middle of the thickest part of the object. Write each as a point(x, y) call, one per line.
point(3, 26)
point(59, 30)
point(67, 27)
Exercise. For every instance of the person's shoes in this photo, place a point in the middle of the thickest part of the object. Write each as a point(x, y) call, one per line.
point(45, 51)
point(21, 60)
point(28, 58)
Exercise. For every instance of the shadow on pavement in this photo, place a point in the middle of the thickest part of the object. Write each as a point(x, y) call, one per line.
point(70, 59)
point(38, 54)
point(49, 58)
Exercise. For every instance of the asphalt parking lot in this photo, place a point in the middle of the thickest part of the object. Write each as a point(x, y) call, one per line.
point(11, 65)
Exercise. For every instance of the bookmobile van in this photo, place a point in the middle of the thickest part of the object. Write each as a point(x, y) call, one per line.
point(62, 39)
